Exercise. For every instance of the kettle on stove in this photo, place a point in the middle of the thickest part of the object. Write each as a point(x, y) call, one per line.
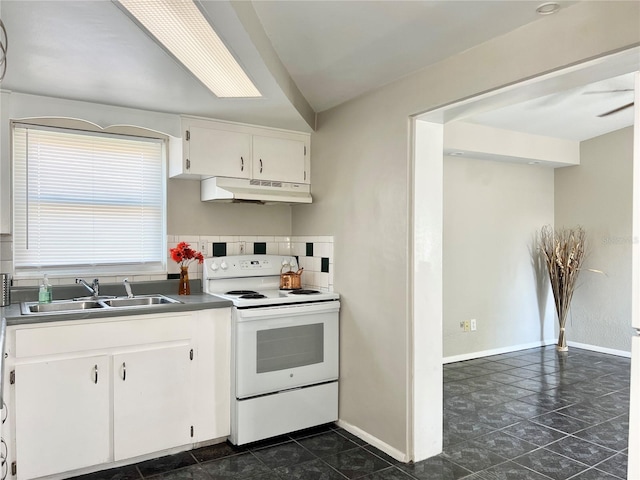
point(290, 280)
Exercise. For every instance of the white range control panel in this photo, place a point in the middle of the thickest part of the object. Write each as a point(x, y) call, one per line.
point(239, 266)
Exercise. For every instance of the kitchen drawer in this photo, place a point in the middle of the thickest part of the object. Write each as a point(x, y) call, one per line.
point(62, 338)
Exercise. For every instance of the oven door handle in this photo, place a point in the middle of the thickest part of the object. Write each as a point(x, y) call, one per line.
point(287, 310)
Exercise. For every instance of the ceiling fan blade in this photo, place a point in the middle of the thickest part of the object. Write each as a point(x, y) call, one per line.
point(608, 91)
point(616, 110)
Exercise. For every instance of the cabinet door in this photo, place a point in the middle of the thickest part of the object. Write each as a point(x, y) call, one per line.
point(219, 153)
point(151, 404)
point(62, 415)
point(279, 159)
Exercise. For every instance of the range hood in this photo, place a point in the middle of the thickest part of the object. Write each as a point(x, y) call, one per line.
point(223, 189)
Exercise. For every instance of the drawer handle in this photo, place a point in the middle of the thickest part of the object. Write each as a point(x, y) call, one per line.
point(124, 371)
point(95, 374)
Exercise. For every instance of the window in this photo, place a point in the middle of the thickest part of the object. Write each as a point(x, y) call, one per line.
point(87, 201)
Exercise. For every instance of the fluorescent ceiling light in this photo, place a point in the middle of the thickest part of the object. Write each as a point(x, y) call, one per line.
point(182, 29)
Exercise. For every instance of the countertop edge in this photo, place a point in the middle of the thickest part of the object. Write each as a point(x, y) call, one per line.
point(200, 301)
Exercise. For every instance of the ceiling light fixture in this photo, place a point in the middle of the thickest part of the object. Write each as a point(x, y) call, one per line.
point(548, 8)
point(181, 28)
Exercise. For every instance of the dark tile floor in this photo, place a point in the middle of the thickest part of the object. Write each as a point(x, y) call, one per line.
point(533, 414)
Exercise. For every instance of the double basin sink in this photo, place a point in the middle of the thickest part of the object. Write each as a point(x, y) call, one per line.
point(68, 306)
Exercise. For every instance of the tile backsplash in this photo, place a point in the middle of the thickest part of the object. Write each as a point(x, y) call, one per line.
point(314, 253)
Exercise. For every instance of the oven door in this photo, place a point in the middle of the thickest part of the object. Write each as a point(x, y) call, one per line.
point(284, 347)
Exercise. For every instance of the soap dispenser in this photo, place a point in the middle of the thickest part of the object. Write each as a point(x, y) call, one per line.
point(44, 294)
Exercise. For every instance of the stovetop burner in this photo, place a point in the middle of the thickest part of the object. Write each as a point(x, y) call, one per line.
point(253, 295)
point(304, 292)
point(242, 292)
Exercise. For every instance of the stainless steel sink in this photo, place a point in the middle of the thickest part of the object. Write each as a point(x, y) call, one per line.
point(58, 306)
point(139, 301)
point(69, 306)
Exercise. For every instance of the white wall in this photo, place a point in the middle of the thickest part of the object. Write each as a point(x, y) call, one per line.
point(492, 211)
point(597, 195)
point(361, 178)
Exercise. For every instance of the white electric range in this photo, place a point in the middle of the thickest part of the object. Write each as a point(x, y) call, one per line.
point(284, 347)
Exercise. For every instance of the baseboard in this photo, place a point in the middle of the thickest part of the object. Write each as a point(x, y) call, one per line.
point(376, 442)
point(497, 351)
point(595, 348)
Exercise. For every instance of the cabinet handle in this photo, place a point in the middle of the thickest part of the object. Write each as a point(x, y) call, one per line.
point(95, 374)
point(124, 371)
point(260, 165)
point(241, 164)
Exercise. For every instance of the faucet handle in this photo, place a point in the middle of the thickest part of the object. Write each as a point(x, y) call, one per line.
point(127, 288)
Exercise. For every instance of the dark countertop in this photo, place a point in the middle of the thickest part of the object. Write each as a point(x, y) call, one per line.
point(196, 301)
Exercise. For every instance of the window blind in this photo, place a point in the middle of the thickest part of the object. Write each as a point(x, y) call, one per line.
point(86, 200)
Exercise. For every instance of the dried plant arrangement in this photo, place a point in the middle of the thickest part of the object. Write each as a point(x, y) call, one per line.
point(563, 251)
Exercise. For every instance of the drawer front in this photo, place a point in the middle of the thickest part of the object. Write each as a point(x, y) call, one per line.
point(62, 338)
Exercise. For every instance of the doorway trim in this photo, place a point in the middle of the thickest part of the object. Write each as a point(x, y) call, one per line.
point(424, 419)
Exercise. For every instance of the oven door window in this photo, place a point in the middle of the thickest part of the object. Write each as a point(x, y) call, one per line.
point(289, 347)
point(282, 348)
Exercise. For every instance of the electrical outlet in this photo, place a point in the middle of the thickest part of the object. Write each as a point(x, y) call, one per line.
point(242, 247)
point(461, 325)
point(473, 325)
point(467, 326)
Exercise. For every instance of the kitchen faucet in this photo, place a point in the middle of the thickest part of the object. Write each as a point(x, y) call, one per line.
point(94, 288)
point(127, 287)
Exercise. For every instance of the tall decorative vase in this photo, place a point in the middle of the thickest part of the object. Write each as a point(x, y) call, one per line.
point(561, 346)
point(563, 252)
point(183, 287)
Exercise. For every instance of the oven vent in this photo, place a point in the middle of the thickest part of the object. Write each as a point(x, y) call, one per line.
point(265, 183)
point(265, 191)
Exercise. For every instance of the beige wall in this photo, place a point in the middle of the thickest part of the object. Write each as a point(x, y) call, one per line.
point(187, 215)
point(597, 195)
point(492, 211)
point(361, 178)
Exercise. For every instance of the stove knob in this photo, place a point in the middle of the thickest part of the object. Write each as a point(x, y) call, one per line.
point(285, 262)
point(224, 265)
point(214, 266)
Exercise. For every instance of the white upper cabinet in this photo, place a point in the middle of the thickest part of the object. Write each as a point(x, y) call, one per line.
point(218, 152)
point(279, 159)
point(224, 149)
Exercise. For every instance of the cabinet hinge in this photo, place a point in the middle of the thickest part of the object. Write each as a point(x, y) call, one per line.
point(187, 135)
point(14, 468)
point(191, 354)
point(188, 164)
point(305, 149)
point(12, 377)
point(305, 174)
point(191, 431)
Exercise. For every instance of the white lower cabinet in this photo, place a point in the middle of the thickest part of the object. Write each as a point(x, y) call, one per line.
point(62, 415)
point(86, 394)
point(151, 395)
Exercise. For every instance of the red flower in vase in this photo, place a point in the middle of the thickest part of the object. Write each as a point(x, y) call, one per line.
point(183, 254)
